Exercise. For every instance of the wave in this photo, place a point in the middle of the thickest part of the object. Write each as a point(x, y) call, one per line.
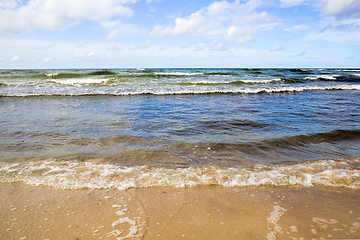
point(225, 82)
point(261, 81)
point(348, 70)
point(327, 77)
point(300, 70)
point(3, 84)
point(333, 136)
point(338, 78)
point(329, 145)
point(81, 81)
point(62, 75)
point(220, 73)
point(78, 75)
point(229, 125)
point(159, 91)
point(73, 174)
point(101, 72)
point(177, 74)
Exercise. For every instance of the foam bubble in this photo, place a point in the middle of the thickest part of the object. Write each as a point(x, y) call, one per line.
point(273, 222)
point(80, 81)
point(73, 174)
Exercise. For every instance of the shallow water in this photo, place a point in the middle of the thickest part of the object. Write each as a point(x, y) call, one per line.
point(185, 125)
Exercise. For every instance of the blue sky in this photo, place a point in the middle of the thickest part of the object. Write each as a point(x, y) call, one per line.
point(172, 33)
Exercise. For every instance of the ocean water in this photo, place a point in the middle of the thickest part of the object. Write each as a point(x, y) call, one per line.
point(132, 128)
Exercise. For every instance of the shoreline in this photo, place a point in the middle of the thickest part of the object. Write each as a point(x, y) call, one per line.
point(211, 212)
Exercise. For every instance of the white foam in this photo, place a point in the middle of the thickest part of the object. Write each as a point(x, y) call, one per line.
point(80, 175)
point(182, 91)
point(262, 81)
point(80, 81)
point(333, 77)
point(51, 74)
point(273, 222)
point(133, 229)
point(208, 83)
point(177, 74)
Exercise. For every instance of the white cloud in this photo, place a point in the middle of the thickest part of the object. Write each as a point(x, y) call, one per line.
point(114, 48)
point(338, 27)
point(218, 8)
point(337, 8)
point(46, 60)
point(119, 29)
point(15, 59)
point(140, 46)
point(234, 21)
point(345, 31)
point(342, 8)
point(291, 3)
point(239, 35)
point(300, 54)
point(8, 3)
point(199, 48)
point(221, 47)
point(81, 54)
point(211, 46)
point(253, 18)
point(276, 49)
point(183, 26)
point(296, 28)
point(110, 24)
point(113, 34)
point(58, 14)
point(81, 43)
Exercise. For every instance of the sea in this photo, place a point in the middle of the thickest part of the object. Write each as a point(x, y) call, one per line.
point(180, 127)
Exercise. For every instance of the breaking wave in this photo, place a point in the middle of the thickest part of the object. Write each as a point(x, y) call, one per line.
point(89, 174)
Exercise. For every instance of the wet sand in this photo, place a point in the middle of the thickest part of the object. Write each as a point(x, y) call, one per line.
point(186, 213)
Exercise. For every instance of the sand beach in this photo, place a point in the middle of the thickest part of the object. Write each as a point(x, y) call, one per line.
point(179, 213)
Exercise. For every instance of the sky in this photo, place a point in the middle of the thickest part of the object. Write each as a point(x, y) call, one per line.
point(171, 33)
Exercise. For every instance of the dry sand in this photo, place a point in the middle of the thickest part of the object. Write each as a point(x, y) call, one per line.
point(168, 213)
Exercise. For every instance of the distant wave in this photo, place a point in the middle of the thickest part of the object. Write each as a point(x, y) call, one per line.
point(81, 81)
point(260, 80)
point(117, 92)
point(339, 78)
point(78, 75)
point(234, 82)
point(220, 73)
point(177, 73)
